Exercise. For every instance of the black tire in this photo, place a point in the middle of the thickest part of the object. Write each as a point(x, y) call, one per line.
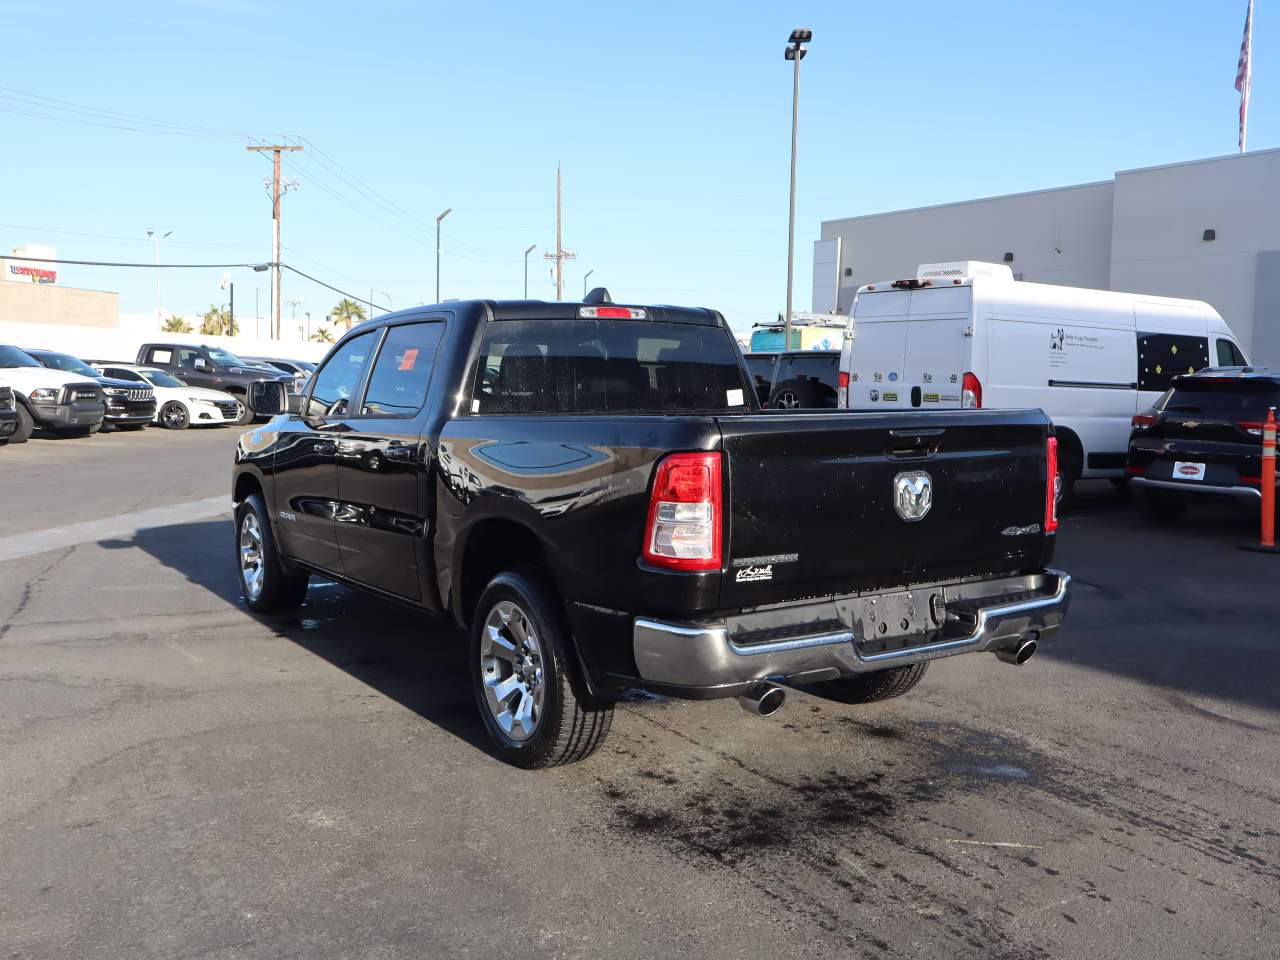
point(25, 426)
point(276, 591)
point(1070, 466)
point(872, 687)
point(566, 729)
point(175, 416)
point(793, 395)
point(96, 428)
point(246, 415)
point(1160, 508)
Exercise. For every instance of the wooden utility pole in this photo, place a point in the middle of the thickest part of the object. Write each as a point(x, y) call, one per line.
point(561, 254)
point(275, 231)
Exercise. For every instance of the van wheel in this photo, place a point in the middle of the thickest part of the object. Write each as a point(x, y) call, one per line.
point(520, 666)
point(873, 687)
point(25, 426)
point(267, 587)
point(1070, 466)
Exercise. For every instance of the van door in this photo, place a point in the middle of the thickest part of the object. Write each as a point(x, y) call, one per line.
point(877, 353)
point(938, 355)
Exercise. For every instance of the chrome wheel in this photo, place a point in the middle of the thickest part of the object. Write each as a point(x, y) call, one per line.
point(511, 668)
point(251, 566)
point(174, 416)
point(788, 400)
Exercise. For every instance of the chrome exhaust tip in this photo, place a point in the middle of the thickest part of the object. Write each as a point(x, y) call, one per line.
point(1024, 651)
point(763, 700)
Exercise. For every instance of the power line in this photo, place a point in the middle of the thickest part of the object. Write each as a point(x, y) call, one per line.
point(330, 286)
point(151, 266)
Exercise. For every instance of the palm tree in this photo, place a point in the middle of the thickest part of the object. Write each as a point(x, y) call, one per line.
point(215, 321)
point(177, 324)
point(322, 335)
point(348, 311)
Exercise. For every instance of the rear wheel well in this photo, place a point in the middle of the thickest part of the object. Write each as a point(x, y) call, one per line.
point(494, 546)
point(1070, 451)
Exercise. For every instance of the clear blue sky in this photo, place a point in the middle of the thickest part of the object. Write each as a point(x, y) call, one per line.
point(671, 122)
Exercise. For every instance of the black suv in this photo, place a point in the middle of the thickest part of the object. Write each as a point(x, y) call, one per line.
point(1203, 438)
point(200, 365)
point(129, 406)
point(801, 379)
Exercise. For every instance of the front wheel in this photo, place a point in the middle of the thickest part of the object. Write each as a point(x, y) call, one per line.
point(520, 675)
point(25, 426)
point(174, 416)
point(267, 587)
point(873, 687)
point(246, 415)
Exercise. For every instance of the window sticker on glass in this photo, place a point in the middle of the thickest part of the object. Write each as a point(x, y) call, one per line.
point(733, 398)
point(409, 359)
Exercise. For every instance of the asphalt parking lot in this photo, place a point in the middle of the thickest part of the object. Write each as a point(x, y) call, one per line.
point(181, 779)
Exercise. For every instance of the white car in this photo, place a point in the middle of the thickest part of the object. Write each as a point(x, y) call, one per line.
point(179, 406)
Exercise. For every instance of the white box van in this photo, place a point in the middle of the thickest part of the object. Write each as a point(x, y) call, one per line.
point(967, 334)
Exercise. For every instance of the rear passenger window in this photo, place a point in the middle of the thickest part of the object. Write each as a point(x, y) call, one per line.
point(339, 378)
point(607, 366)
point(1163, 356)
point(160, 356)
point(402, 373)
point(1229, 354)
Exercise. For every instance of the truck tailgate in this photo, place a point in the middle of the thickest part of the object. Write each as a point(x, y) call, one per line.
point(811, 508)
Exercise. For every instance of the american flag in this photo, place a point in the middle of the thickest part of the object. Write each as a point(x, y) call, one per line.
point(1244, 73)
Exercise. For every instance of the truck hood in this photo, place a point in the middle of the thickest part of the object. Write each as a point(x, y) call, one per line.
point(25, 379)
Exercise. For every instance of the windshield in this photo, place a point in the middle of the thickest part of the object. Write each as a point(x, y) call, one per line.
point(161, 379)
point(224, 358)
point(607, 366)
point(64, 361)
point(13, 357)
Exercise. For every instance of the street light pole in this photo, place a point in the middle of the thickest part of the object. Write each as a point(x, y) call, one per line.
point(584, 283)
point(526, 269)
point(390, 306)
point(151, 235)
point(438, 219)
point(795, 51)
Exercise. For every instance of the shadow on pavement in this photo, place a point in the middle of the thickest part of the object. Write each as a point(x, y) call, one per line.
point(417, 660)
point(1179, 605)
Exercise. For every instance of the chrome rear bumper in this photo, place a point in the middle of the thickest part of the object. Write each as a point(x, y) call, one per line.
point(704, 657)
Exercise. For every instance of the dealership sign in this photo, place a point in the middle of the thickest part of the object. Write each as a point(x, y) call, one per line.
point(32, 270)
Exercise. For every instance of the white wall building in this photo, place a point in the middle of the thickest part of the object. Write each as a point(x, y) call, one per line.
point(1206, 229)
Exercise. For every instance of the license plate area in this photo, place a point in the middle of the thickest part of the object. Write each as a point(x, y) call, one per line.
point(1187, 470)
point(891, 618)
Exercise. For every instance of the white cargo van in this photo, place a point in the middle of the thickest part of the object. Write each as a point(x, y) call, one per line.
point(967, 334)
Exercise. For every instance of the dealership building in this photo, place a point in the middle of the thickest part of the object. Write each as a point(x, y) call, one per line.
point(1205, 230)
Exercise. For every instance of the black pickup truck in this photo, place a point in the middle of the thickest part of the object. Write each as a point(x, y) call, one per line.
point(200, 365)
point(593, 491)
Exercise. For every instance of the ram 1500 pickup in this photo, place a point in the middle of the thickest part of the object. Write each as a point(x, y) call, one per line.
point(594, 493)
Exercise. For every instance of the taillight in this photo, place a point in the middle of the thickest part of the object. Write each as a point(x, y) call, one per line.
point(1052, 487)
point(970, 392)
point(1252, 426)
point(842, 394)
point(1143, 421)
point(685, 510)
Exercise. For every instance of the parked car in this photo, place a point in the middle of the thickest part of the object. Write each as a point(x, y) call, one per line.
point(967, 334)
point(593, 491)
point(213, 367)
point(179, 405)
point(8, 413)
point(129, 405)
point(300, 370)
point(1203, 438)
point(800, 379)
point(70, 405)
point(761, 366)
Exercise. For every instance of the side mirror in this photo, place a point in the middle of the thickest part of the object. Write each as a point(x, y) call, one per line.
point(295, 404)
point(199, 364)
point(267, 398)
